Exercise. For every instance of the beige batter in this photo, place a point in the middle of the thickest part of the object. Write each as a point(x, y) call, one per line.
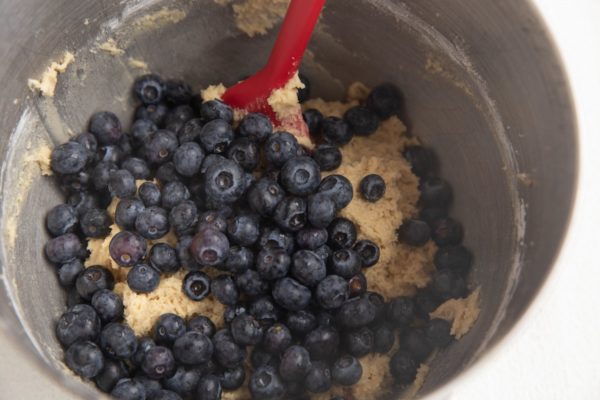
point(257, 17)
point(47, 83)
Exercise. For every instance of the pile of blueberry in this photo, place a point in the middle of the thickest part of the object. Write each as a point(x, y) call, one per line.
point(248, 202)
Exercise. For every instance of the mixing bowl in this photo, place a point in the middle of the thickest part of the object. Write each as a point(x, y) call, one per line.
point(482, 83)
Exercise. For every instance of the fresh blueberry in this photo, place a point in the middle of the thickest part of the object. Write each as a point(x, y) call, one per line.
point(295, 363)
point(212, 219)
point(61, 219)
point(183, 217)
point(178, 116)
point(238, 260)
point(216, 136)
point(149, 193)
point(168, 328)
point(202, 324)
point(414, 232)
point(196, 285)
point(93, 279)
point(383, 338)
point(437, 332)
point(226, 352)
point(356, 312)
point(112, 372)
point(209, 247)
point(385, 100)
point(68, 272)
point(95, 223)
point(164, 394)
point(143, 278)
point(184, 255)
point(111, 154)
point(342, 233)
point(177, 91)
point(445, 284)
point(144, 344)
point(313, 118)
point(264, 195)
point(304, 93)
point(68, 158)
point(156, 113)
point(129, 389)
point(80, 322)
point(338, 188)
point(256, 127)
point(188, 158)
point(357, 285)
point(74, 183)
point(63, 249)
point(224, 181)
point(345, 263)
point(233, 311)
point(82, 202)
point(301, 322)
point(173, 193)
point(127, 248)
point(421, 160)
point(361, 120)
point(446, 231)
point(346, 370)
point(183, 382)
point(359, 342)
point(322, 343)
point(328, 157)
point(224, 290)
point(246, 330)
point(273, 264)
point(216, 109)
point(275, 238)
point(74, 298)
point(148, 89)
point(318, 379)
point(260, 358)
point(324, 252)
point(265, 384)
point(159, 148)
point(311, 238)
point(84, 358)
point(106, 127)
point(455, 258)
point(151, 386)
point(416, 343)
point(321, 210)
point(280, 147)
point(335, 131)
point(89, 143)
point(308, 268)
point(290, 214)
point(277, 338)
point(244, 229)
point(164, 258)
point(118, 341)
point(400, 311)
point(190, 132)
point(251, 284)
point(332, 292)
point(403, 368)
point(425, 303)
point(291, 295)
point(435, 192)
point(127, 211)
point(431, 214)
point(101, 174)
point(159, 363)
point(152, 223)
point(142, 130)
point(167, 173)
point(233, 378)
point(300, 176)
point(368, 251)
point(108, 305)
point(244, 151)
point(192, 348)
point(372, 187)
point(209, 388)
point(137, 167)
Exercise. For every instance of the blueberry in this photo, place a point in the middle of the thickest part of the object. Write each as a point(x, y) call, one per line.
point(322, 343)
point(359, 342)
point(275, 238)
point(435, 192)
point(118, 341)
point(446, 231)
point(101, 174)
point(74, 298)
point(264, 195)
point(301, 322)
point(95, 223)
point(210, 160)
point(137, 167)
point(143, 278)
point(224, 181)
point(108, 305)
point(168, 328)
point(295, 363)
point(260, 358)
point(421, 160)
point(190, 132)
point(174, 193)
point(106, 127)
point(300, 176)
point(356, 312)
point(228, 353)
point(357, 285)
point(149, 193)
point(332, 292)
point(63, 249)
point(151, 386)
point(321, 210)
point(414, 232)
point(233, 311)
point(372, 187)
point(338, 188)
point(256, 127)
point(68, 158)
point(342, 233)
point(445, 285)
point(244, 151)
point(167, 173)
point(216, 109)
point(335, 131)
point(164, 258)
point(403, 368)
point(280, 147)
point(127, 248)
point(89, 143)
point(291, 295)
point(416, 343)
point(188, 158)
point(308, 268)
point(183, 217)
point(246, 330)
point(328, 157)
point(156, 113)
point(265, 384)
point(432, 213)
point(93, 279)
point(178, 116)
point(324, 252)
point(224, 290)
point(368, 252)
point(345, 263)
point(425, 303)
point(277, 338)
point(385, 100)
point(346, 371)
point(265, 310)
point(82, 202)
point(216, 136)
point(196, 285)
point(383, 338)
point(209, 388)
point(244, 229)
point(111, 154)
point(437, 333)
point(61, 219)
point(290, 214)
point(163, 394)
point(129, 389)
point(183, 382)
point(311, 238)
point(212, 219)
point(273, 264)
point(127, 211)
point(80, 322)
point(455, 258)
point(148, 89)
point(68, 272)
point(159, 363)
point(202, 324)
point(142, 130)
point(233, 378)
point(159, 148)
point(84, 358)
point(304, 93)
point(192, 348)
point(400, 311)
point(209, 247)
point(152, 223)
point(238, 260)
point(112, 372)
point(361, 120)
point(251, 284)
point(177, 91)
point(144, 344)
point(313, 118)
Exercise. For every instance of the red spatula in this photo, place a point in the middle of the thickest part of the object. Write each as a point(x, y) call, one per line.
point(252, 94)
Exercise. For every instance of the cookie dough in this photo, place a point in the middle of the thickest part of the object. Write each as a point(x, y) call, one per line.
point(257, 17)
point(463, 313)
point(47, 84)
point(111, 47)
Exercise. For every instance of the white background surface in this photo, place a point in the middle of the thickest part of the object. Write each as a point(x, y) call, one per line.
point(554, 353)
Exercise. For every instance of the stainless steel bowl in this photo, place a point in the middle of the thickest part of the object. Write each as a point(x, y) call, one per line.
point(483, 86)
